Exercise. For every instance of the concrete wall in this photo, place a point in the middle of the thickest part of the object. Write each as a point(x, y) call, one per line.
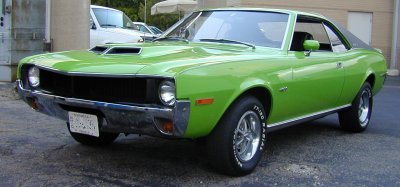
point(22, 34)
point(28, 27)
point(398, 43)
point(70, 24)
point(5, 42)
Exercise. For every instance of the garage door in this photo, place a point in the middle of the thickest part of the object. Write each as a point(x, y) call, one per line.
point(360, 24)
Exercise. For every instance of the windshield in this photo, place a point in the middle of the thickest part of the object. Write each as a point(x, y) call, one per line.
point(113, 18)
point(156, 30)
point(253, 27)
point(143, 28)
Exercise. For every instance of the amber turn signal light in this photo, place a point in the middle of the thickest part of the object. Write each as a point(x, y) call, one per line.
point(207, 101)
point(167, 126)
point(33, 103)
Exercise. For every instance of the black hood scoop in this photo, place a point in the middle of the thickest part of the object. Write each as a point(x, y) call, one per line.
point(99, 49)
point(116, 50)
point(124, 50)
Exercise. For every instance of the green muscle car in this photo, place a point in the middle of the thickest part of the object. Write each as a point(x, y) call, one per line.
point(228, 76)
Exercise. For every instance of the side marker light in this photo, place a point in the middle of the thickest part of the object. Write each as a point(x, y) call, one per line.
point(207, 101)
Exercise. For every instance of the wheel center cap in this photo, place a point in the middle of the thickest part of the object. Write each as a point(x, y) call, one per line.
point(249, 136)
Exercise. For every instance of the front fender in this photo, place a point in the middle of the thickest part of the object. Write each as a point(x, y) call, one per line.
point(224, 84)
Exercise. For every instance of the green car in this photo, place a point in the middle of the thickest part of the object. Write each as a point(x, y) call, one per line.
point(228, 76)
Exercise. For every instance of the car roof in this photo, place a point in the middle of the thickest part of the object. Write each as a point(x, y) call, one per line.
point(269, 10)
point(103, 7)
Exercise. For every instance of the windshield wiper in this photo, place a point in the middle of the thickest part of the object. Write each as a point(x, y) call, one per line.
point(227, 41)
point(128, 27)
point(108, 25)
point(171, 38)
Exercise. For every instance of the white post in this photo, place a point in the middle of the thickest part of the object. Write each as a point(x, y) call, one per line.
point(48, 16)
point(145, 10)
point(393, 71)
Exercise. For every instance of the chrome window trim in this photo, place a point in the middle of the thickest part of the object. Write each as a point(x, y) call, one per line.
point(291, 38)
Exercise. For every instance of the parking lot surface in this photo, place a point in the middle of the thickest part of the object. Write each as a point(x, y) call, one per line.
point(37, 150)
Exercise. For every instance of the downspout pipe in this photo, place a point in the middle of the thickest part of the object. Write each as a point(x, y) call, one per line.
point(48, 23)
point(393, 71)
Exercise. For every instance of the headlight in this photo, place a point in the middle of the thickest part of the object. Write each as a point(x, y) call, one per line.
point(33, 76)
point(167, 93)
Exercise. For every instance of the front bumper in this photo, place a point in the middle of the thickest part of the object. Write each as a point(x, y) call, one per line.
point(118, 118)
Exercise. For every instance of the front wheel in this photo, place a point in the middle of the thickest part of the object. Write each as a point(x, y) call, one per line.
point(357, 117)
point(235, 146)
point(104, 138)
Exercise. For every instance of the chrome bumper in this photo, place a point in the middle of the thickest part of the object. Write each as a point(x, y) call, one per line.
point(118, 118)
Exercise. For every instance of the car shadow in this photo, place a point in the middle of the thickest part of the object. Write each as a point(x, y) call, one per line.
point(136, 156)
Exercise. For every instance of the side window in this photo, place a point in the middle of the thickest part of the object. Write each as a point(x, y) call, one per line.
point(310, 30)
point(337, 44)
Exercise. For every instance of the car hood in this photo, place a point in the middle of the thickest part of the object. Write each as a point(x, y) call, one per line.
point(158, 58)
point(128, 32)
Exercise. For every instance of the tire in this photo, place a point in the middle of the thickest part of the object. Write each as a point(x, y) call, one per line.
point(357, 117)
point(105, 138)
point(228, 146)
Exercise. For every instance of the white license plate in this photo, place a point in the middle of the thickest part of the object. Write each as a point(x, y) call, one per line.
point(83, 123)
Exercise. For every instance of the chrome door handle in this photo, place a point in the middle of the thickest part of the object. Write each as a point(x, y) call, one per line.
point(283, 89)
point(339, 65)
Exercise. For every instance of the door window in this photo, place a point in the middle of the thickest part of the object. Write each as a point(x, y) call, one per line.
point(310, 30)
point(337, 44)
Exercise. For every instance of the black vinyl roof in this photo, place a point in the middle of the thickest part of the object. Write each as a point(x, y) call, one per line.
point(351, 38)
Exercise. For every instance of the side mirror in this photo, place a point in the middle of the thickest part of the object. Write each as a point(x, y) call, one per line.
point(92, 25)
point(310, 45)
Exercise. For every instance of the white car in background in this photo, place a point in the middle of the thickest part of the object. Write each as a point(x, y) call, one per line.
point(143, 27)
point(149, 33)
point(156, 30)
point(108, 25)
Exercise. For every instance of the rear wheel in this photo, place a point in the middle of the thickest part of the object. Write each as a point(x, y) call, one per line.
point(105, 138)
point(235, 145)
point(357, 117)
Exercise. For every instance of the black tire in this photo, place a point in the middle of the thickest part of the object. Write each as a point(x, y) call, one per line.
point(105, 138)
point(222, 150)
point(357, 117)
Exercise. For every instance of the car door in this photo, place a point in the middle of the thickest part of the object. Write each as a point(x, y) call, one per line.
point(318, 78)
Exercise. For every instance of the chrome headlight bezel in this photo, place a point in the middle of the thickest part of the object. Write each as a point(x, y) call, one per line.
point(167, 92)
point(34, 76)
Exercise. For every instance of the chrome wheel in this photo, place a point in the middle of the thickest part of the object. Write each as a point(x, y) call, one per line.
point(247, 136)
point(356, 118)
point(364, 107)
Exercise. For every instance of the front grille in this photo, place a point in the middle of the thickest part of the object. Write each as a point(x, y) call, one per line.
point(123, 90)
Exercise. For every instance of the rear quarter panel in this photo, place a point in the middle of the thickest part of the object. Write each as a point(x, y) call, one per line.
point(359, 64)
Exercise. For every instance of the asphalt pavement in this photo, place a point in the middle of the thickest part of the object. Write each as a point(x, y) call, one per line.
point(37, 150)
